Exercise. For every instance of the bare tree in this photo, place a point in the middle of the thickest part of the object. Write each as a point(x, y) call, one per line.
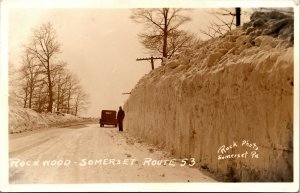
point(226, 19)
point(29, 77)
point(179, 41)
point(15, 92)
point(71, 87)
point(162, 33)
point(41, 97)
point(58, 79)
point(80, 100)
point(44, 46)
point(66, 86)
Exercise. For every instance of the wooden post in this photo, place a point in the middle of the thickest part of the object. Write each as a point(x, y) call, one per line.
point(152, 63)
point(238, 16)
point(151, 59)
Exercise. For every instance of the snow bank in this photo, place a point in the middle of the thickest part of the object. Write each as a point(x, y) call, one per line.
point(235, 89)
point(24, 119)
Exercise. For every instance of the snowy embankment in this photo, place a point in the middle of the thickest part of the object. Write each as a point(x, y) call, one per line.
point(24, 119)
point(228, 102)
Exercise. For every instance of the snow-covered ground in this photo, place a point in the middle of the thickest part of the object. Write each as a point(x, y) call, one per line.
point(24, 119)
point(90, 154)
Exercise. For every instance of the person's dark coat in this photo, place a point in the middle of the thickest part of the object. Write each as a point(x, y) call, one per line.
point(120, 117)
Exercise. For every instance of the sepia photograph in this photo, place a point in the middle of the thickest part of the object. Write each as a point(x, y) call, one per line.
point(149, 96)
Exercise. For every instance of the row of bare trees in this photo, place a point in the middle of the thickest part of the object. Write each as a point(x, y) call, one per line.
point(46, 83)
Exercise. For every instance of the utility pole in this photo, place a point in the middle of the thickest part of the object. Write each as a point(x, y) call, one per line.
point(126, 93)
point(238, 16)
point(151, 59)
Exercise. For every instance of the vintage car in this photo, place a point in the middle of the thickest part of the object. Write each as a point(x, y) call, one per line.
point(108, 117)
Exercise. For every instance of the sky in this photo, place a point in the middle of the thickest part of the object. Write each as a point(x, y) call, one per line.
point(100, 46)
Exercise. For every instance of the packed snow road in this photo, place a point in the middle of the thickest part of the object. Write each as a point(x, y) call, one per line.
point(90, 154)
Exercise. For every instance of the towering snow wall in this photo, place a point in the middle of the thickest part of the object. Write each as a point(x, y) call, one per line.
point(227, 102)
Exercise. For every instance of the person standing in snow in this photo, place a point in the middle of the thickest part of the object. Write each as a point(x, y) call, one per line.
point(120, 117)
